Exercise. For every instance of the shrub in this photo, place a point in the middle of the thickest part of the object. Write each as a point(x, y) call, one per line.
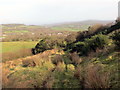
point(56, 59)
point(31, 77)
point(65, 80)
point(97, 41)
point(79, 73)
point(116, 38)
point(75, 58)
point(94, 78)
point(48, 44)
point(71, 38)
point(70, 67)
point(95, 28)
point(42, 46)
point(60, 67)
point(32, 61)
point(48, 65)
point(28, 62)
point(82, 48)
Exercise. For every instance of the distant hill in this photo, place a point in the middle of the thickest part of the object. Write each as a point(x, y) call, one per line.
point(87, 22)
point(66, 26)
point(12, 25)
point(77, 26)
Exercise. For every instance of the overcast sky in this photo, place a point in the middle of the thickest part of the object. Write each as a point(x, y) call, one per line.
point(56, 11)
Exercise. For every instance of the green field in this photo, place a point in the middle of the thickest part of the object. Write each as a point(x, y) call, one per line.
point(82, 28)
point(15, 46)
point(17, 31)
point(64, 29)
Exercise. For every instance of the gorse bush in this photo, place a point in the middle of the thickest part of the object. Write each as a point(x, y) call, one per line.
point(95, 28)
point(41, 46)
point(57, 59)
point(92, 30)
point(90, 44)
point(48, 44)
point(66, 79)
point(95, 78)
point(71, 38)
point(116, 38)
point(97, 41)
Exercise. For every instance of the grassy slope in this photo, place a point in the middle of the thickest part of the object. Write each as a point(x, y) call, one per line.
point(44, 75)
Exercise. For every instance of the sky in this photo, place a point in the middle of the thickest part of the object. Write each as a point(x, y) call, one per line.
point(39, 12)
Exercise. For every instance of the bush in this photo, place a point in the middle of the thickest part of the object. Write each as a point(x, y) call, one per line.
point(28, 63)
point(71, 67)
point(95, 78)
point(56, 59)
point(32, 61)
point(71, 38)
point(116, 38)
point(75, 58)
point(65, 80)
point(41, 46)
point(60, 67)
point(48, 44)
point(93, 30)
point(97, 41)
point(83, 48)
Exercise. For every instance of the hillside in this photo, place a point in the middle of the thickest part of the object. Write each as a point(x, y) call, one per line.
point(88, 59)
point(77, 26)
point(40, 71)
point(87, 22)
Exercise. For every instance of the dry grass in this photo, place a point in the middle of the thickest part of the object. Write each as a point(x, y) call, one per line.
point(57, 59)
point(75, 58)
point(5, 80)
point(39, 59)
point(15, 55)
point(94, 78)
point(32, 61)
point(60, 67)
point(42, 60)
point(78, 73)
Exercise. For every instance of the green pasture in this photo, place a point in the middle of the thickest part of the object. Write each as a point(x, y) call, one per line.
point(64, 29)
point(14, 46)
point(16, 31)
point(82, 28)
